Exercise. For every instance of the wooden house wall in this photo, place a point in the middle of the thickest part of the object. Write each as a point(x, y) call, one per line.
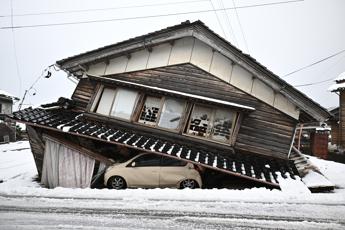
point(265, 131)
point(335, 133)
point(83, 93)
point(37, 147)
point(194, 51)
point(342, 119)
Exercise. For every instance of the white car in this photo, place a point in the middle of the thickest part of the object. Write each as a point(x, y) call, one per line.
point(148, 170)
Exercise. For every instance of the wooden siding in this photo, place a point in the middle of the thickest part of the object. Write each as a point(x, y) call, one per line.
point(265, 131)
point(37, 147)
point(335, 133)
point(342, 119)
point(83, 93)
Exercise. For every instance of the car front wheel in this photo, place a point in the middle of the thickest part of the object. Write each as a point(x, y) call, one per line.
point(188, 183)
point(116, 182)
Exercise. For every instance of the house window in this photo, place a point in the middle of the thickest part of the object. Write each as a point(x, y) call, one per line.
point(149, 113)
point(163, 112)
point(171, 113)
point(211, 123)
point(117, 102)
point(124, 103)
point(105, 102)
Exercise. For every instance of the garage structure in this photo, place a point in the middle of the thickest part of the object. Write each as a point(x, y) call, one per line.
point(182, 92)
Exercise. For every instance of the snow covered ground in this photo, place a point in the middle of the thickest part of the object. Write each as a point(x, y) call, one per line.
point(24, 204)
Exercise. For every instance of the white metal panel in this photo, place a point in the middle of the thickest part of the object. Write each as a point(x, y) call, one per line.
point(117, 65)
point(97, 69)
point(159, 56)
point(137, 61)
point(241, 78)
point(221, 66)
point(283, 104)
point(263, 92)
point(202, 55)
point(181, 51)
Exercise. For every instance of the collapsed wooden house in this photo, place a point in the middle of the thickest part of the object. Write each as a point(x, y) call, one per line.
point(183, 92)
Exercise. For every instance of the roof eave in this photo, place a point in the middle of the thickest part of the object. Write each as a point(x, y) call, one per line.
point(200, 31)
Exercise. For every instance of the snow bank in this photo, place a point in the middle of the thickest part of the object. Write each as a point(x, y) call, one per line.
point(17, 169)
point(316, 180)
point(334, 171)
point(291, 186)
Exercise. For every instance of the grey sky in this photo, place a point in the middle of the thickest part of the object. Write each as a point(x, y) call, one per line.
point(282, 37)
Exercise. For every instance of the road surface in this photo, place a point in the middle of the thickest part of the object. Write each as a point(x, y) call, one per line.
point(43, 212)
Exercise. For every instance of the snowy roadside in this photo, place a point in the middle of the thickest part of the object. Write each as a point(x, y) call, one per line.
point(17, 170)
point(25, 204)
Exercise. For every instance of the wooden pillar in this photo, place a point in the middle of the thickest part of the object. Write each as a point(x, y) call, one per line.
point(342, 119)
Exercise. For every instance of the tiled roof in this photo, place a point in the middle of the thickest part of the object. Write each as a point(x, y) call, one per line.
point(257, 168)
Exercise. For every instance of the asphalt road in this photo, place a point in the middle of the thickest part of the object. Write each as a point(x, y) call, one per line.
point(29, 212)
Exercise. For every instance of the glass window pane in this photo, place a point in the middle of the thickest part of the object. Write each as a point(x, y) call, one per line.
point(148, 160)
point(149, 113)
point(200, 121)
point(167, 161)
point(105, 102)
point(222, 125)
point(171, 113)
point(124, 103)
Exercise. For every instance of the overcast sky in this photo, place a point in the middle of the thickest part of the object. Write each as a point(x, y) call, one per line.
point(282, 37)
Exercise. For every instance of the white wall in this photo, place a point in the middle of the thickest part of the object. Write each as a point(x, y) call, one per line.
point(192, 50)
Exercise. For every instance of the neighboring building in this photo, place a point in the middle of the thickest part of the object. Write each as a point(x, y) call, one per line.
point(182, 92)
point(7, 129)
point(313, 139)
point(333, 122)
point(337, 121)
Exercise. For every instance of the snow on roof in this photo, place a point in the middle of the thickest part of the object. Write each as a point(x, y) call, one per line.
point(178, 93)
point(336, 87)
point(341, 77)
point(315, 180)
point(3, 92)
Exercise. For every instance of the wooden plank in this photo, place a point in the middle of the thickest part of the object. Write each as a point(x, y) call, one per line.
point(37, 148)
point(265, 125)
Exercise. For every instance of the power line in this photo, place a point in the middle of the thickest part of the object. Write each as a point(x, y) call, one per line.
point(314, 63)
point(239, 22)
point(319, 82)
point(228, 22)
point(148, 16)
point(315, 83)
point(37, 79)
point(220, 24)
point(15, 50)
point(103, 9)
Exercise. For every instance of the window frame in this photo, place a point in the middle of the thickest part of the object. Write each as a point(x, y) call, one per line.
point(162, 100)
point(98, 97)
point(208, 137)
point(159, 159)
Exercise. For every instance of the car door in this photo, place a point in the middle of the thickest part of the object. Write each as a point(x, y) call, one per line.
point(144, 173)
point(172, 171)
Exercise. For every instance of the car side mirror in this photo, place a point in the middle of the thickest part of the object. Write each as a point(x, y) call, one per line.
point(133, 164)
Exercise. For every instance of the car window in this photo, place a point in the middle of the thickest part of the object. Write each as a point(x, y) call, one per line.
point(167, 161)
point(147, 160)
